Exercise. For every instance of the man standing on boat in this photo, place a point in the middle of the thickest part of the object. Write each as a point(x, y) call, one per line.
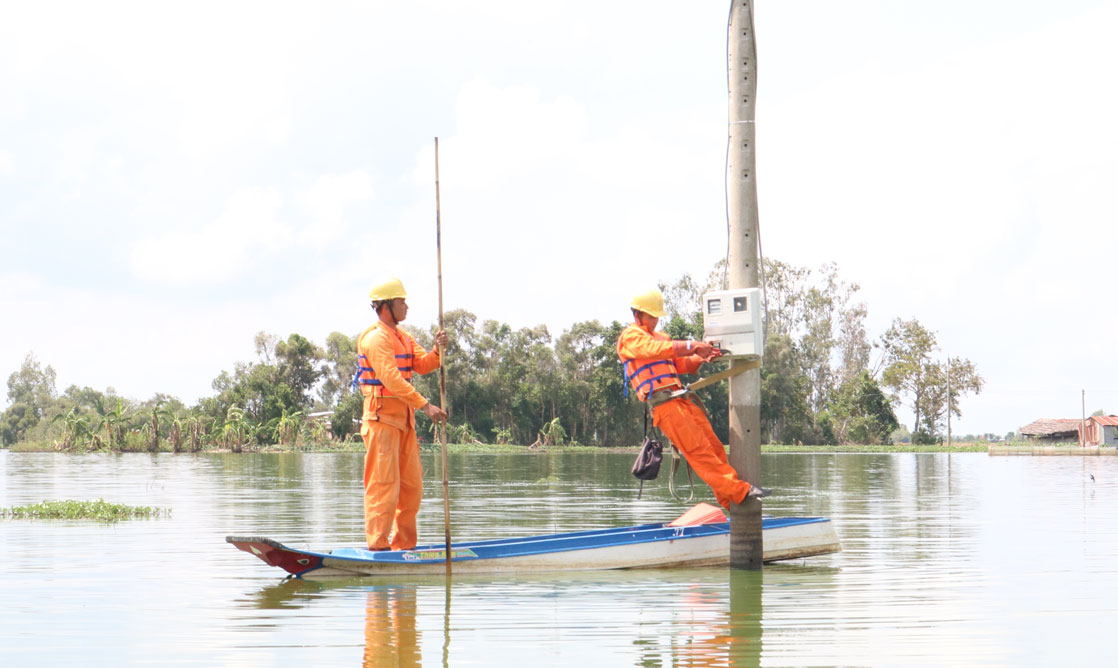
point(653, 362)
point(387, 356)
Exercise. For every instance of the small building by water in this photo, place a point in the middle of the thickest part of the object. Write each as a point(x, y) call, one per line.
point(1101, 430)
point(1095, 431)
point(1050, 431)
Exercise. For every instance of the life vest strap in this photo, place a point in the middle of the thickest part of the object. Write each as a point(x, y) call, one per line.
point(644, 366)
point(627, 378)
point(358, 380)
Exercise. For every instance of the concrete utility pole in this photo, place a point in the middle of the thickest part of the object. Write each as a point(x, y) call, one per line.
point(1083, 424)
point(949, 401)
point(746, 547)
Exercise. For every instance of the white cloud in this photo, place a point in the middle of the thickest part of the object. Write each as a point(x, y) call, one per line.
point(219, 249)
point(206, 338)
point(543, 221)
point(325, 203)
point(500, 132)
point(7, 162)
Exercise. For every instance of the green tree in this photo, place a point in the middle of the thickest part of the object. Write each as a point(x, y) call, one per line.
point(920, 382)
point(113, 421)
point(589, 381)
point(264, 390)
point(76, 428)
point(785, 414)
point(949, 382)
point(286, 427)
point(861, 413)
point(340, 354)
point(235, 429)
point(347, 415)
point(299, 366)
point(31, 391)
point(152, 429)
point(909, 369)
point(818, 313)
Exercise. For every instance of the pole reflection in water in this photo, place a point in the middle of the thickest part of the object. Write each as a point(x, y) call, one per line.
point(446, 623)
point(719, 627)
point(745, 617)
point(391, 637)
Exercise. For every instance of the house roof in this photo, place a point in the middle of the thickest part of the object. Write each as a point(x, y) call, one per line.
point(1111, 420)
point(1051, 427)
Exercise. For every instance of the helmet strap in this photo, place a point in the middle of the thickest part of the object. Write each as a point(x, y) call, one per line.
point(386, 304)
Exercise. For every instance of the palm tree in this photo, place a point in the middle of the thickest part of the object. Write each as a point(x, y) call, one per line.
point(152, 428)
point(235, 429)
point(114, 422)
point(75, 427)
point(193, 426)
point(174, 434)
point(96, 442)
point(287, 425)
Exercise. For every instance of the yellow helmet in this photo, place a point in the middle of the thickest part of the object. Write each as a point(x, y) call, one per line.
point(390, 289)
point(651, 302)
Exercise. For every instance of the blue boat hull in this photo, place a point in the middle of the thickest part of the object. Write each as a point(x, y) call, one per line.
point(643, 546)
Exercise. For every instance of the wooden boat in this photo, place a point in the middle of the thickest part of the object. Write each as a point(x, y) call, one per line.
point(699, 537)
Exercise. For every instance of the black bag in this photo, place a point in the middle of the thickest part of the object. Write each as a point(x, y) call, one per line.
point(647, 466)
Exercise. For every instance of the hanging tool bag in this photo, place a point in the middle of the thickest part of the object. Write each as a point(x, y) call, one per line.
point(647, 466)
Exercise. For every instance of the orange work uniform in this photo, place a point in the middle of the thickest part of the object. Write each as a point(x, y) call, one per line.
point(652, 364)
point(387, 357)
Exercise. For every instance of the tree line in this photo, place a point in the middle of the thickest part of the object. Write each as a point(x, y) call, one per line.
point(525, 386)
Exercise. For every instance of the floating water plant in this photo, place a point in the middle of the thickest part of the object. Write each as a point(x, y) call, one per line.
point(99, 510)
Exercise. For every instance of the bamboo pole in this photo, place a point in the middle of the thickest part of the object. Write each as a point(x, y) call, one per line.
point(442, 367)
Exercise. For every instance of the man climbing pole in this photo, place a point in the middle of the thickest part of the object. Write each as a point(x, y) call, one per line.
point(387, 356)
point(652, 363)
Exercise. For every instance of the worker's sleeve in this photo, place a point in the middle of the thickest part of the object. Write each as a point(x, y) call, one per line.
point(635, 343)
point(423, 361)
point(689, 364)
point(382, 357)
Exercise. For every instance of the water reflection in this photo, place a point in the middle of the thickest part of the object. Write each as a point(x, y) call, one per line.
point(391, 638)
point(693, 618)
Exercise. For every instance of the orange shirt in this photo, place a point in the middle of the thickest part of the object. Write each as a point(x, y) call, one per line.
point(399, 401)
point(643, 346)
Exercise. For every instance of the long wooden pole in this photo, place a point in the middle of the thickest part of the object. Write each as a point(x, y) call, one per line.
point(442, 367)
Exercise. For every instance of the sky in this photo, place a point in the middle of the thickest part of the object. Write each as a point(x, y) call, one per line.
point(176, 177)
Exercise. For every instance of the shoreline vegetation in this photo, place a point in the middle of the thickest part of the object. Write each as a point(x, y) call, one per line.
point(1013, 448)
point(818, 385)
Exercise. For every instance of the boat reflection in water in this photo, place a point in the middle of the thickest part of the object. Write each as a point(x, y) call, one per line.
point(694, 617)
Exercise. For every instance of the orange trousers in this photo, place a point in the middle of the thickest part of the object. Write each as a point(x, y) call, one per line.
point(393, 485)
point(687, 427)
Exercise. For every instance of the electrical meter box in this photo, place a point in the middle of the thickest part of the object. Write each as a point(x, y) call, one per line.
point(732, 322)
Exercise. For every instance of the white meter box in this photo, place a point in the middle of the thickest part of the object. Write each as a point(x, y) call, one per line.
point(732, 322)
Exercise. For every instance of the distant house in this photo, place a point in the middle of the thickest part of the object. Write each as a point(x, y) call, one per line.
point(322, 416)
point(1098, 430)
point(1047, 430)
point(1102, 430)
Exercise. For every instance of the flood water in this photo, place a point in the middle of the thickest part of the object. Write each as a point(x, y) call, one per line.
point(959, 559)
